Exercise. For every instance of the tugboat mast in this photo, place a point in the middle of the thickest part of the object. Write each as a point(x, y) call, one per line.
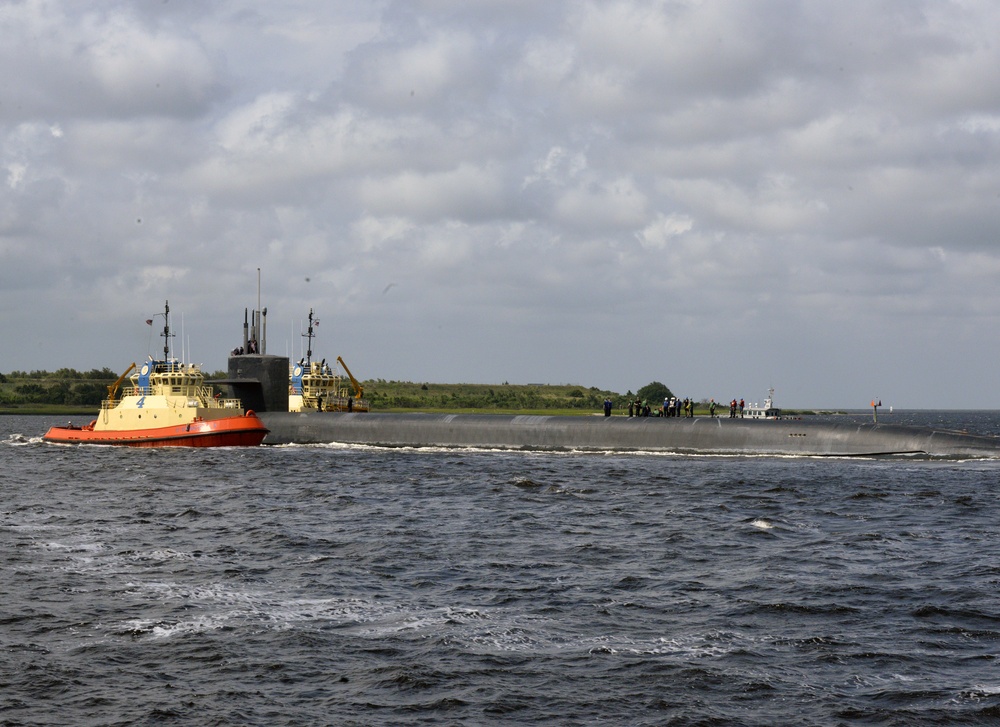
point(309, 338)
point(166, 331)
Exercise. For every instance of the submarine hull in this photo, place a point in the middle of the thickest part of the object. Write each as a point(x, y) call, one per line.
point(582, 433)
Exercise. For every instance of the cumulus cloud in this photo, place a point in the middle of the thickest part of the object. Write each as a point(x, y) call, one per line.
point(658, 233)
point(722, 197)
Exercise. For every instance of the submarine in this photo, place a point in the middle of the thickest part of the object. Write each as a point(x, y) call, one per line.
point(699, 435)
point(261, 382)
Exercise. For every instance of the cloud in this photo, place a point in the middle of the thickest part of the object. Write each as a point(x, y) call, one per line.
point(464, 193)
point(85, 60)
point(659, 233)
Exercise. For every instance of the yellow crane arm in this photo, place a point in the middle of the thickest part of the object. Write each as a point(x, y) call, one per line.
point(113, 389)
point(358, 388)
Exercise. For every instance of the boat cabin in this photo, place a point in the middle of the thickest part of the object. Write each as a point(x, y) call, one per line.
point(767, 410)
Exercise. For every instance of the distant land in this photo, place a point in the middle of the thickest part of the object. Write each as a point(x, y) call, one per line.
point(68, 391)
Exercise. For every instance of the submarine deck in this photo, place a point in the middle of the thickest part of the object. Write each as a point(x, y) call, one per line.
point(570, 433)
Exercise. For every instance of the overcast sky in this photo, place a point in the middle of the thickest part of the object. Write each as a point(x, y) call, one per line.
point(721, 196)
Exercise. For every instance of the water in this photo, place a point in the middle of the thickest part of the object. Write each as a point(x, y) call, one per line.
point(335, 585)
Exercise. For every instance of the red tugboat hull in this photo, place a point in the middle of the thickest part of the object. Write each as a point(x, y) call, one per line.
point(237, 431)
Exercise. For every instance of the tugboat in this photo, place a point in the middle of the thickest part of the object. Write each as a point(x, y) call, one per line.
point(765, 411)
point(317, 387)
point(167, 405)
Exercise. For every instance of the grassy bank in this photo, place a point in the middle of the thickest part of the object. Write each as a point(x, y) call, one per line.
point(28, 396)
point(49, 410)
point(494, 398)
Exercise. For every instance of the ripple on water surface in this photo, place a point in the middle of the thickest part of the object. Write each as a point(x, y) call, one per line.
point(299, 585)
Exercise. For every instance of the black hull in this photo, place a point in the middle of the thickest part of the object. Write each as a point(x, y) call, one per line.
point(701, 435)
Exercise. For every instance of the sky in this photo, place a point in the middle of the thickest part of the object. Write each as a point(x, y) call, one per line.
point(722, 196)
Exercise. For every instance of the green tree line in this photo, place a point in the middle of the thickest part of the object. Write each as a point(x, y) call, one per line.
point(64, 387)
point(408, 395)
point(72, 388)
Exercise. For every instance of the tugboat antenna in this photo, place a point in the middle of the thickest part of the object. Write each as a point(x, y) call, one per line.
point(309, 338)
point(166, 331)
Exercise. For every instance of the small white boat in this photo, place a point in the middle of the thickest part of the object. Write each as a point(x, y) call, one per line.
point(767, 410)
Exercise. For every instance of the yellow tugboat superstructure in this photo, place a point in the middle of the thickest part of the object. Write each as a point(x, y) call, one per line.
point(165, 392)
point(316, 386)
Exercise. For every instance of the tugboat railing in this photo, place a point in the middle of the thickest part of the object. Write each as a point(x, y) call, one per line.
point(205, 396)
